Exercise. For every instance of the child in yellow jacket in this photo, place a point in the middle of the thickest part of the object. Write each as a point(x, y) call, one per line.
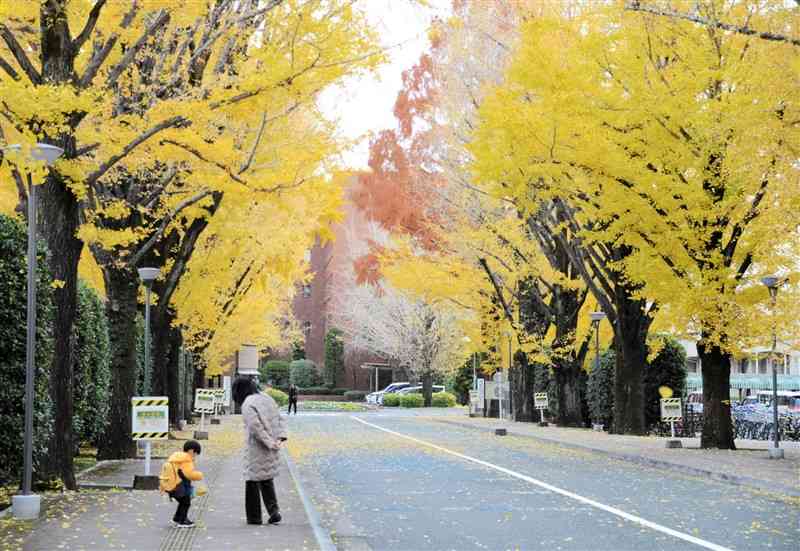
point(184, 464)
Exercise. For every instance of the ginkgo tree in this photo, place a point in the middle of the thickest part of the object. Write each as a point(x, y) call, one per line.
point(679, 143)
point(156, 122)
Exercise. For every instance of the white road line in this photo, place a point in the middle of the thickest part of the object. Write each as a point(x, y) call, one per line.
point(554, 489)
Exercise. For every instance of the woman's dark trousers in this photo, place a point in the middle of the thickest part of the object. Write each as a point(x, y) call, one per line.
point(255, 490)
point(292, 402)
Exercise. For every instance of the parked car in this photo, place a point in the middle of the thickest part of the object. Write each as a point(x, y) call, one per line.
point(418, 389)
point(377, 397)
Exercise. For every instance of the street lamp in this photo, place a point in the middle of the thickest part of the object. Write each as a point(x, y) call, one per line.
point(596, 318)
point(772, 283)
point(147, 275)
point(27, 505)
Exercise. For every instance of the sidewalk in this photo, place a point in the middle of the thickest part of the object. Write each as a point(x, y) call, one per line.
point(114, 519)
point(747, 466)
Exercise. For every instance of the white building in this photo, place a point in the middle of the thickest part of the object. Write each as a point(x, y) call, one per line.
point(751, 372)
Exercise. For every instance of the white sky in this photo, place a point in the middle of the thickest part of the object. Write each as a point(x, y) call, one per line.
point(364, 105)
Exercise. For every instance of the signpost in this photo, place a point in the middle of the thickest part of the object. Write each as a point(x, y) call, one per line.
point(149, 421)
point(540, 403)
point(204, 402)
point(475, 403)
point(226, 386)
point(219, 403)
point(672, 411)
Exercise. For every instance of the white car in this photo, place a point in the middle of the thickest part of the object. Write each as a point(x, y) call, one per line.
point(377, 397)
point(418, 389)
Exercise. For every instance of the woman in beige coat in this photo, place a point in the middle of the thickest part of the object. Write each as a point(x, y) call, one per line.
point(265, 433)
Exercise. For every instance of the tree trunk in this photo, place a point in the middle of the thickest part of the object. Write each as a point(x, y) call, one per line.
point(166, 347)
point(427, 387)
point(521, 380)
point(630, 338)
point(716, 372)
point(570, 395)
point(59, 221)
point(122, 286)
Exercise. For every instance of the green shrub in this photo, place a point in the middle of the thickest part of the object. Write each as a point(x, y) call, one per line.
point(411, 400)
point(315, 390)
point(92, 369)
point(668, 368)
point(275, 372)
point(391, 400)
point(600, 390)
point(355, 395)
point(334, 357)
point(304, 374)
point(13, 311)
point(443, 400)
point(339, 391)
point(280, 397)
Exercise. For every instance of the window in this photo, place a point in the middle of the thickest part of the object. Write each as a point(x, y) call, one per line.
point(743, 365)
point(691, 365)
point(306, 290)
point(762, 365)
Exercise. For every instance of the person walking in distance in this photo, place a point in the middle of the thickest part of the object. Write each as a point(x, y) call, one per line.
point(265, 433)
point(292, 398)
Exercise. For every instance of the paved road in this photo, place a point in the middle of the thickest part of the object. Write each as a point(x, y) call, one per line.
point(377, 484)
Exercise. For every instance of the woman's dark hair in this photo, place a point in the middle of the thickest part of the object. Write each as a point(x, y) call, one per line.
point(192, 445)
point(242, 388)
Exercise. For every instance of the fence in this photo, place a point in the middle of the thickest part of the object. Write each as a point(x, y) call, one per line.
point(750, 422)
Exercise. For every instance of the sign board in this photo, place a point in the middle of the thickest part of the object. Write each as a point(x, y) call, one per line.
point(226, 386)
point(219, 398)
point(540, 400)
point(150, 418)
point(204, 400)
point(671, 409)
point(247, 363)
point(475, 405)
point(481, 391)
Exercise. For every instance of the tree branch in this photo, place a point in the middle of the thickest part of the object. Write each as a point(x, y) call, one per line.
point(203, 158)
point(161, 19)
point(105, 167)
point(91, 21)
point(497, 291)
point(6, 66)
point(764, 35)
point(19, 54)
point(134, 261)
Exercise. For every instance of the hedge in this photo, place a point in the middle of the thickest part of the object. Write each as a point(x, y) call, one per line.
point(275, 372)
point(280, 397)
point(600, 390)
point(356, 395)
point(92, 369)
point(304, 374)
point(668, 368)
point(412, 400)
point(443, 400)
point(13, 311)
point(391, 400)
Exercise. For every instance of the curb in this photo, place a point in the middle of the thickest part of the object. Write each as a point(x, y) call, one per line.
point(323, 537)
point(647, 462)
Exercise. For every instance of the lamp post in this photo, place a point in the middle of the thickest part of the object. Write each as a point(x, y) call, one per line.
point(772, 283)
point(596, 318)
point(147, 275)
point(27, 505)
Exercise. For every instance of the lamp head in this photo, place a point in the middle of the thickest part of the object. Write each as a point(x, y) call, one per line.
point(148, 275)
point(466, 339)
point(39, 152)
point(46, 152)
point(597, 317)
